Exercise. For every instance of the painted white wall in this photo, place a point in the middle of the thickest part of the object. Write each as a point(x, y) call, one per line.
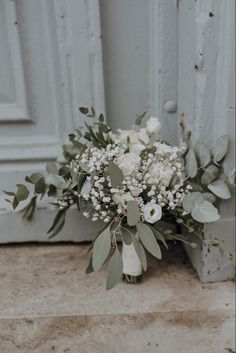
point(206, 95)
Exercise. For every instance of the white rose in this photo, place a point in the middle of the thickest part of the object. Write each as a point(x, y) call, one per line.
point(135, 146)
point(128, 163)
point(152, 212)
point(163, 148)
point(153, 126)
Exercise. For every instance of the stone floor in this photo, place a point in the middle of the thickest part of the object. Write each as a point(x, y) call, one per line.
point(48, 304)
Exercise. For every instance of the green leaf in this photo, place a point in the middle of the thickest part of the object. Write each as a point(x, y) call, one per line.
point(33, 178)
point(40, 186)
point(191, 199)
point(15, 203)
point(83, 110)
point(220, 189)
point(101, 118)
point(52, 168)
point(101, 248)
point(191, 163)
point(210, 174)
point(58, 181)
point(28, 211)
point(9, 193)
point(115, 268)
point(22, 192)
point(203, 154)
point(58, 224)
point(133, 213)
point(140, 252)
point(89, 268)
point(221, 147)
point(116, 174)
point(139, 119)
point(86, 187)
point(205, 212)
point(64, 171)
point(126, 235)
point(148, 240)
point(208, 196)
point(159, 236)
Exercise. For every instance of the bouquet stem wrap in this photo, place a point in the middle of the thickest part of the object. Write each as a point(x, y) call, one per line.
point(131, 264)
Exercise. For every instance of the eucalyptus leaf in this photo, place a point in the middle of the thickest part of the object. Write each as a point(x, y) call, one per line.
point(58, 224)
point(133, 213)
point(126, 235)
point(208, 196)
point(52, 168)
point(58, 181)
point(220, 189)
point(205, 212)
point(86, 187)
point(101, 248)
point(33, 178)
point(83, 110)
point(140, 252)
point(148, 240)
point(221, 147)
point(159, 236)
point(191, 166)
point(89, 268)
point(210, 174)
point(191, 199)
point(29, 209)
point(115, 269)
point(22, 192)
point(203, 154)
point(116, 174)
point(40, 186)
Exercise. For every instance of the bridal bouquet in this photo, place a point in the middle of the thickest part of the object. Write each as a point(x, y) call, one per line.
point(135, 183)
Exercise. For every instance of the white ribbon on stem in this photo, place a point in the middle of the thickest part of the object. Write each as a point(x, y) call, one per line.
point(131, 264)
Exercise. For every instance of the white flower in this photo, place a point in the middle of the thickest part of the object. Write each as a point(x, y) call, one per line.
point(128, 163)
point(152, 212)
point(162, 148)
point(135, 146)
point(153, 126)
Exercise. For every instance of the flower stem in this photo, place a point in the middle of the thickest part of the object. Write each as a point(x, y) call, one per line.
point(131, 279)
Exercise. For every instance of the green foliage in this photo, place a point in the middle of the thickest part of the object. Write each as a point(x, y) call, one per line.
point(203, 154)
point(58, 224)
point(126, 235)
point(210, 174)
point(221, 147)
point(191, 163)
point(115, 269)
point(115, 174)
point(220, 189)
point(101, 249)
point(148, 240)
point(133, 213)
point(140, 252)
point(139, 118)
point(205, 212)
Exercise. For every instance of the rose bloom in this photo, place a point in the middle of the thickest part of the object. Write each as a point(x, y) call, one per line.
point(128, 163)
point(135, 146)
point(152, 212)
point(153, 126)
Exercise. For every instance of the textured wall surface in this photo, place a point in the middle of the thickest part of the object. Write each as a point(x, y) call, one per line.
point(206, 95)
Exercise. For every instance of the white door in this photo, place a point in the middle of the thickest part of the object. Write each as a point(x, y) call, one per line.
point(54, 56)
